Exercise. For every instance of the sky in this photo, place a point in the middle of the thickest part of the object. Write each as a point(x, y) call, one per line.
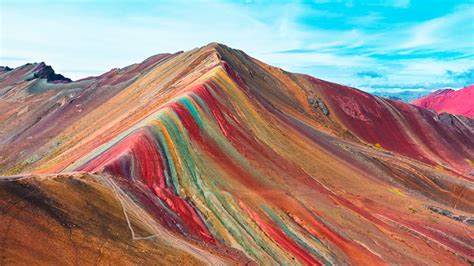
point(375, 46)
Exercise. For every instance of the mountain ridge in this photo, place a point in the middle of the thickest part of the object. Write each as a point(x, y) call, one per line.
point(253, 163)
point(450, 101)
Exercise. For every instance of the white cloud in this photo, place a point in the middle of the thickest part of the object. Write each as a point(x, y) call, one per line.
point(400, 3)
point(453, 31)
point(81, 42)
point(368, 20)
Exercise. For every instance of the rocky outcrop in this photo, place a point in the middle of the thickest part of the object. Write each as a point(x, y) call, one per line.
point(317, 103)
point(5, 68)
point(44, 71)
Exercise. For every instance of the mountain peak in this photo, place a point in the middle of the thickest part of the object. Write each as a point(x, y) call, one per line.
point(442, 91)
point(219, 48)
point(214, 45)
point(44, 71)
point(5, 68)
point(230, 160)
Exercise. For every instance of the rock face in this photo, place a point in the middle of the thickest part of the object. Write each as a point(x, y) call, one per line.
point(44, 71)
point(318, 103)
point(211, 156)
point(5, 68)
point(460, 102)
point(461, 218)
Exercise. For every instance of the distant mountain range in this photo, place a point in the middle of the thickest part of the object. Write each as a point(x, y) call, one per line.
point(406, 96)
point(211, 156)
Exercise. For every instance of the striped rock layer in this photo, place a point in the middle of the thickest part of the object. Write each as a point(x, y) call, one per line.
point(211, 156)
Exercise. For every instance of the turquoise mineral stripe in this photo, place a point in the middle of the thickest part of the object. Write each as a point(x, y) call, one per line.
point(290, 233)
point(185, 101)
point(155, 131)
point(230, 204)
point(201, 101)
point(106, 146)
point(181, 143)
point(321, 220)
point(168, 123)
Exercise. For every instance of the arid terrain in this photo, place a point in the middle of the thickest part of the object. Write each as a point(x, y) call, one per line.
point(211, 156)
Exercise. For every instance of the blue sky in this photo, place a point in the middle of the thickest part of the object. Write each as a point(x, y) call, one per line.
point(372, 45)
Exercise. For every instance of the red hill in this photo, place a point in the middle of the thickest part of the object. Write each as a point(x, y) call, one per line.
point(460, 102)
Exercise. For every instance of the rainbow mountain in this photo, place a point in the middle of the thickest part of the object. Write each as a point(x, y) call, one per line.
point(211, 156)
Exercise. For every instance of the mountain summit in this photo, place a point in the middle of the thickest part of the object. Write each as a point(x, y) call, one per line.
point(212, 156)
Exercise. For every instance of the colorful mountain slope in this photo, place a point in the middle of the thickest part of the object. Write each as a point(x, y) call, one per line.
point(237, 161)
point(458, 102)
point(81, 221)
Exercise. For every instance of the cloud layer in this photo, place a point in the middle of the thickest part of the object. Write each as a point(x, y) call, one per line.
point(377, 46)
